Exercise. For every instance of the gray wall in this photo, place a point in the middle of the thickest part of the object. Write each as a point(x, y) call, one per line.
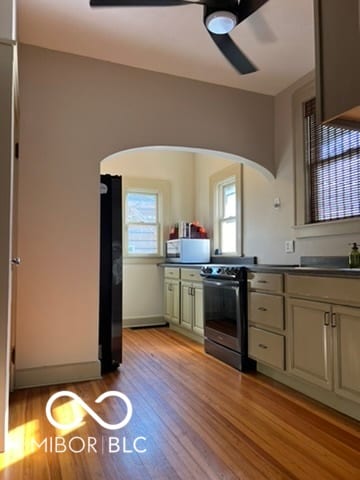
point(76, 111)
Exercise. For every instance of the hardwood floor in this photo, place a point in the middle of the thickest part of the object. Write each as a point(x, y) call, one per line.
point(201, 420)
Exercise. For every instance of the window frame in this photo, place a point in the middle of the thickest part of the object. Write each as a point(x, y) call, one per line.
point(301, 183)
point(147, 186)
point(228, 175)
point(156, 224)
point(330, 154)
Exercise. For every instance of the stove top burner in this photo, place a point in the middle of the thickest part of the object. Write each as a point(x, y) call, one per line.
point(223, 271)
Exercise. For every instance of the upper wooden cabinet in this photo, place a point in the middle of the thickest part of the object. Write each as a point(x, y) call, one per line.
point(337, 28)
point(7, 21)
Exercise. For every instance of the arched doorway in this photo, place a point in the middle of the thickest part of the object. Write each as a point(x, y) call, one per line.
point(188, 171)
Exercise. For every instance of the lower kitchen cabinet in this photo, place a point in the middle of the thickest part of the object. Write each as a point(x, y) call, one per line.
point(183, 301)
point(172, 295)
point(346, 332)
point(267, 347)
point(192, 312)
point(266, 342)
point(324, 344)
point(309, 342)
point(172, 304)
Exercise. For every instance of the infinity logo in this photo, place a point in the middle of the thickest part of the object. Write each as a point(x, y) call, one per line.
point(90, 411)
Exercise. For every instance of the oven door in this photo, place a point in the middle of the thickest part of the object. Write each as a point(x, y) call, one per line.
point(222, 313)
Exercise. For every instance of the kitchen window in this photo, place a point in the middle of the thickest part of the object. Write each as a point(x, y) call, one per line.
point(332, 169)
point(225, 188)
point(327, 172)
point(145, 214)
point(142, 223)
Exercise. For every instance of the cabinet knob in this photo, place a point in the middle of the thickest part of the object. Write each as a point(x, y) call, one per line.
point(261, 345)
point(262, 309)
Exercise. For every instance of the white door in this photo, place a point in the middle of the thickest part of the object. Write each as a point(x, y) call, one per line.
point(6, 194)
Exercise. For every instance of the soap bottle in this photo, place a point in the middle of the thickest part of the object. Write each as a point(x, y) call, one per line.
point(354, 257)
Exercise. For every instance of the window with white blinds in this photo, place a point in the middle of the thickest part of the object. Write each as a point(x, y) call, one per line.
point(142, 224)
point(332, 158)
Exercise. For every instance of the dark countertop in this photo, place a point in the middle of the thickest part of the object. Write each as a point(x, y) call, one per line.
point(289, 269)
point(311, 270)
point(182, 265)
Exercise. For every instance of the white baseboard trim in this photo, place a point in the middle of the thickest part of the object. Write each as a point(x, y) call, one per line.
point(187, 333)
point(57, 374)
point(330, 399)
point(152, 321)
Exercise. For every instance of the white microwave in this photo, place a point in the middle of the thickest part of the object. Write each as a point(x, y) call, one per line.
point(188, 250)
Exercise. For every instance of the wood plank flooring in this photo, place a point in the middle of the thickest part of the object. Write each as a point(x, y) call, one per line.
point(201, 420)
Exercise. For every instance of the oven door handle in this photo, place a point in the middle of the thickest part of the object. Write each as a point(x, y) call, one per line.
point(220, 283)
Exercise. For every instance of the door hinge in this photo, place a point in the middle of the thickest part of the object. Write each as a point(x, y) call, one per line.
point(17, 152)
point(13, 355)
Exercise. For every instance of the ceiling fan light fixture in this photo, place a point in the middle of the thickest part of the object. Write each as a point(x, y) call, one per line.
point(221, 22)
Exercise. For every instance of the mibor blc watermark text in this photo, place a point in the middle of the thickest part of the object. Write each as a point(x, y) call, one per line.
point(89, 444)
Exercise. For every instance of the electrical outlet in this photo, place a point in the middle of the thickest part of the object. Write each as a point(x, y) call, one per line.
point(289, 246)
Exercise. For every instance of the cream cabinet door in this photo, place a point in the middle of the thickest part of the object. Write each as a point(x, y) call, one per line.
point(175, 318)
point(310, 345)
point(172, 302)
point(198, 324)
point(187, 305)
point(346, 331)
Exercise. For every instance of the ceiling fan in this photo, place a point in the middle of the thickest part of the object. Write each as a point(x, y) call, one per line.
point(220, 18)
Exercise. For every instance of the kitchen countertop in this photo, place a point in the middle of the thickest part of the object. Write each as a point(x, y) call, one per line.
point(182, 265)
point(309, 270)
point(293, 269)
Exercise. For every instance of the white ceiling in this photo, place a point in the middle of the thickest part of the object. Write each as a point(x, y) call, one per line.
point(279, 39)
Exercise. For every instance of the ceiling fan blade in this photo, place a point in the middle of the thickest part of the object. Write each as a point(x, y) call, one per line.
point(247, 8)
point(262, 29)
point(141, 3)
point(233, 53)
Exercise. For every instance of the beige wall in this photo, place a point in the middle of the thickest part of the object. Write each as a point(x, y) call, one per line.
point(266, 228)
point(76, 111)
point(175, 166)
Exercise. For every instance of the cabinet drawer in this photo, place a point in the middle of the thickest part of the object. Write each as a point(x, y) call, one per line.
point(332, 289)
point(266, 310)
point(172, 272)
point(191, 274)
point(266, 347)
point(272, 282)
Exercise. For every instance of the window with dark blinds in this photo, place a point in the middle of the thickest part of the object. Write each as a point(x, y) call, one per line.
point(332, 156)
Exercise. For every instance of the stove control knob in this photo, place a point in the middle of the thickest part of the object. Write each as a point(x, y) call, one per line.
point(219, 270)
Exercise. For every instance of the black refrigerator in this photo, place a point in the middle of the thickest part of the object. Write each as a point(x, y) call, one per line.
point(110, 308)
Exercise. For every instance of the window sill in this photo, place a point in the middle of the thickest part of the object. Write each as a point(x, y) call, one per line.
point(326, 229)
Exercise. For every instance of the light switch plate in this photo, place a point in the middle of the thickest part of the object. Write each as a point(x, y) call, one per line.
point(289, 246)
